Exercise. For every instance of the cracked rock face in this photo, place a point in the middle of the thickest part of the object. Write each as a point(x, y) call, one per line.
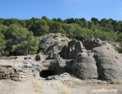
point(6, 72)
point(50, 41)
point(72, 49)
point(9, 72)
point(109, 63)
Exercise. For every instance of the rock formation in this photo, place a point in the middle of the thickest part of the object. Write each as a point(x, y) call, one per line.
point(49, 41)
point(84, 67)
point(95, 59)
point(109, 63)
point(8, 72)
point(72, 49)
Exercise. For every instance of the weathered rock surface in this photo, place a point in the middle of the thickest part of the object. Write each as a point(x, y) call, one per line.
point(72, 49)
point(109, 63)
point(8, 72)
point(95, 42)
point(53, 43)
point(84, 67)
point(21, 75)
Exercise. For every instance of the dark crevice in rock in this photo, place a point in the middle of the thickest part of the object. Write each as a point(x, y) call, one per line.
point(46, 73)
point(71, 50)
point(99, 69)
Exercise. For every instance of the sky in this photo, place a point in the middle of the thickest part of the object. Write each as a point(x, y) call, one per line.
point(26, 9)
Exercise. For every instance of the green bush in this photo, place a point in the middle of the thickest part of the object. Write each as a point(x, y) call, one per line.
point(20, 41)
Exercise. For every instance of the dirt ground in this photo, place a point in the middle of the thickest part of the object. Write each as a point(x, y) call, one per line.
point(41, 86)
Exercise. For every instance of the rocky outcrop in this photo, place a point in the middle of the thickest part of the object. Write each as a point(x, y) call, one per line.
point(94, 42)
point(95, 59)
point(49, 41)
point(109, 63)
point(21, 75)
point(8, 72)
point(72, 49)
point(84, 67)
point(53, 52)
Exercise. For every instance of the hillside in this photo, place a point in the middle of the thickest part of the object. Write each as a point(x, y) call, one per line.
point(63, 66)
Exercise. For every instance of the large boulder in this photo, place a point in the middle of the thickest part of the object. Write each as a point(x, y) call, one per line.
point(84, 67)
point(109, 63)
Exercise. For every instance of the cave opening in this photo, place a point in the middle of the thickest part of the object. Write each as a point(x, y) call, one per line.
point(46, 73)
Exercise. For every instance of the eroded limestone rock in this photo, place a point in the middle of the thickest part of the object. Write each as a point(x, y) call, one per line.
point(109, 63)
point(84, 67)
point(72, 49)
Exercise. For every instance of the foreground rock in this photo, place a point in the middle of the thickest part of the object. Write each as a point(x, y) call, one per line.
point(109, 63)
point(8, 72)
point(84, 67)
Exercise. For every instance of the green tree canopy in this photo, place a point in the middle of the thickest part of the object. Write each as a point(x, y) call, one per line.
point(20, 41)
point(39, 27)
point(2, 44)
